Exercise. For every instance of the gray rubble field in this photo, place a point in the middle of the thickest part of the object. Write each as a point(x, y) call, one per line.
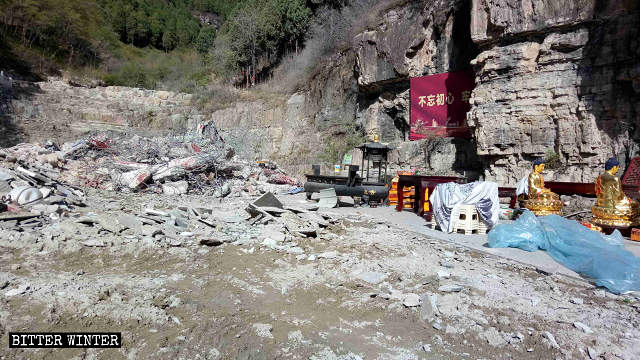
point(199, 277)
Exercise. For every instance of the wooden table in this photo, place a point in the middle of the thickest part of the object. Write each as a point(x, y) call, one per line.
point(421, 184)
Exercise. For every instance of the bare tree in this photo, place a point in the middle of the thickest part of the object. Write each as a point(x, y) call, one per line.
point(245, 24)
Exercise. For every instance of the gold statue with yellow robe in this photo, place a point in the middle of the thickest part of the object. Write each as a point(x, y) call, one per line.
point(541, 200)
point(613, 207)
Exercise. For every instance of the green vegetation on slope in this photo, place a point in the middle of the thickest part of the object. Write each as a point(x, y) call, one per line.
point(147, 43)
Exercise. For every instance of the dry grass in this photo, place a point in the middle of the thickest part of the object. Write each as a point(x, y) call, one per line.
point(332, 32)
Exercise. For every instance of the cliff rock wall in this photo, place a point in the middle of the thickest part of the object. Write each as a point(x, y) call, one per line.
point(559, 76)
point(56, 110)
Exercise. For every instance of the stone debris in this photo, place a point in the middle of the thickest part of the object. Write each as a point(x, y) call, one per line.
point(443, 274)
point(411, 300)
point(494, 338)
point(263, 330)
point(583, 327)
point(551, 339)
point(428, 307)
point(450, 288)
point(17, 291)
point(371, 277)
point(576, 300)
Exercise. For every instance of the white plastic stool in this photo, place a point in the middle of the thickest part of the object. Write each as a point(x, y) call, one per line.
point(468, 221)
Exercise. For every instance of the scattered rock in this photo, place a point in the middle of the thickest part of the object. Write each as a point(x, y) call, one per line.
point(94, 243)
point(295, 336)
point(493, 337)
point(17, 291)
point(328, 255)
point(576, 300)
point(552, 339)
point(210, 242)
point(370, 277)
point(450, 288)
point(411, 300)
point(429, 307)
point(263, 330)
point(583, 327)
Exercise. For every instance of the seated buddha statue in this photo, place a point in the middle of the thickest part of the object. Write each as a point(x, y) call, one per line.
point(613, 207)
point(541, 200)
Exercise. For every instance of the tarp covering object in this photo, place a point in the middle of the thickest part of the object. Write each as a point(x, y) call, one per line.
point(589, 253)
point(448, 197)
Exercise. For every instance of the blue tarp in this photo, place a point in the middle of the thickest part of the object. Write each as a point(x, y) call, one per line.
point(589, 253)
point(295, 190)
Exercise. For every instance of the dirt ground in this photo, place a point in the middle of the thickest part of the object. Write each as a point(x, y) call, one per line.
point(360, 289)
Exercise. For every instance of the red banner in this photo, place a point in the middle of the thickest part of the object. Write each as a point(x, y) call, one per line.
point(439, 105)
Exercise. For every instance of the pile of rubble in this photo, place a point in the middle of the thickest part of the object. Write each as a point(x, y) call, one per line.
point(195, 162)
point(43, 184)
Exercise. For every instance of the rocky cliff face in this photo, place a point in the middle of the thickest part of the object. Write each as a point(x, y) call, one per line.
point(415, 39)
point(561, 76)
point(557, 77)
point(56, 110)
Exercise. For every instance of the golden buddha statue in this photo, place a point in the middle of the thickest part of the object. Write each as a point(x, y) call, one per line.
point(613, 208)
point(541, 200)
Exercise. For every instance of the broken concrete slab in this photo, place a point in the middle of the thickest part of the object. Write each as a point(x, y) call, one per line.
point(371, 277)
point(274, 210)
point(450, 288)
point(411, 300)
point(155, 212)
point(130, 222)
point(94, 243)
point(295, 224)
point(327, 198)
point(17, 216)
point(346, 201)
point(429, 307)
point(314, 218)
point(268, 200)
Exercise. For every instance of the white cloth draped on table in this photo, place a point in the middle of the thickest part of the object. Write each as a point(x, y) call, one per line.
point(447, 199)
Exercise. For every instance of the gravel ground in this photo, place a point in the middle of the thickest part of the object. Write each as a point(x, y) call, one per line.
point(359, 288)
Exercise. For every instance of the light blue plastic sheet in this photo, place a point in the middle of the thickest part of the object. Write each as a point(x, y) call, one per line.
point(589, 253)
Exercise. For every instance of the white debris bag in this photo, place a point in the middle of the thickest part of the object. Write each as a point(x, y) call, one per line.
point(25, 195)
